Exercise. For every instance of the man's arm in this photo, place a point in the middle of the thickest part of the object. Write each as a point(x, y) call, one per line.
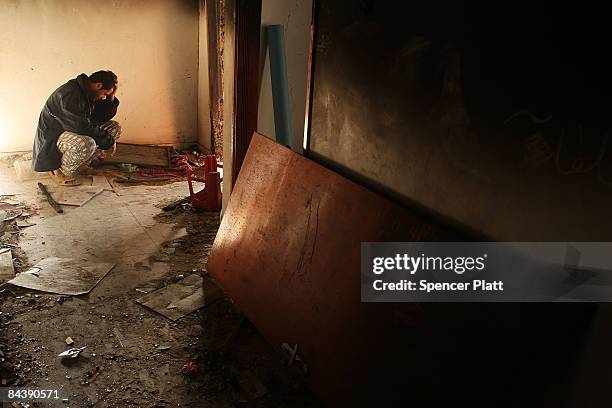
point(73, 115)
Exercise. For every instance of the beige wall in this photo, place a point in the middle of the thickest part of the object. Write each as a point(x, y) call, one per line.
point(203, 85)
point(152, 45)
point(295, 16)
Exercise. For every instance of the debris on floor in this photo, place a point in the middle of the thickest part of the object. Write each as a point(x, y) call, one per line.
point(190, 368)
point(24, 223)
point(64, 276)
point(90, 376)
point(182, 298)
point(7, 271)
point(9, 212)
point(72, 352)
point(152, 250)
point(176, 204)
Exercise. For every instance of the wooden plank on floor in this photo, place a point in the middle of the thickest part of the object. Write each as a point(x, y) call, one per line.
point(141, 155)
point(100, 181)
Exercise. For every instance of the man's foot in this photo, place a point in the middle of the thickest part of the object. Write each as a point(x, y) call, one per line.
point(85, 169)
point(62, 180)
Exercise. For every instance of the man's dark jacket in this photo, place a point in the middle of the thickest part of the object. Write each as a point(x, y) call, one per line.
point(70, 109)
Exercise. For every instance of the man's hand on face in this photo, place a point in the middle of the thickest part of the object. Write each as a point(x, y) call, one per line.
point(111, 95)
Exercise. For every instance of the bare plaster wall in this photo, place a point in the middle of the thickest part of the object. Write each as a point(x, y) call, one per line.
point(295, 16)
point(152, 45)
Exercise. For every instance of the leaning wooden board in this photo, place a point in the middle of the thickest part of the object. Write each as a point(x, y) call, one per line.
point(288, 254)
point(142, 155)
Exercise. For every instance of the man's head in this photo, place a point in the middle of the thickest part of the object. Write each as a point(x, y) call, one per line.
point(102, 84)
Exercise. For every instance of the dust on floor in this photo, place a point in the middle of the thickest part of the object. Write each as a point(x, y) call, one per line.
point(134, 356)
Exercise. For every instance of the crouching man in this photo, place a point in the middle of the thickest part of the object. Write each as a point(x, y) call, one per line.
point(75, 126)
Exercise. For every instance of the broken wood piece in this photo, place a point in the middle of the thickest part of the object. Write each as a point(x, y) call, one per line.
point(10, 215)
point(9, 211)
point(50, 199)
point(114, 187)
point(5, 205)
point(7, 270)
point(24, 224)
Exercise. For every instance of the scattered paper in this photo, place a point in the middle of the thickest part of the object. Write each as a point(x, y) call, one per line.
point(64, 276)
point(182, 298)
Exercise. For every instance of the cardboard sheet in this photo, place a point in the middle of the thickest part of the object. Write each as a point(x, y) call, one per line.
point(64, 276)
point(74, 196)
point(182, 298)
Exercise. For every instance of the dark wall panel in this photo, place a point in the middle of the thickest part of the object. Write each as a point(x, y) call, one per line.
point(491, 116)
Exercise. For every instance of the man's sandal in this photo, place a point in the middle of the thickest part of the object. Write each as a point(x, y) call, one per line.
point(62, 180)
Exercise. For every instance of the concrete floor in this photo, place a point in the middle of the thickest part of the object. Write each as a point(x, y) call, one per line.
point(123, 338)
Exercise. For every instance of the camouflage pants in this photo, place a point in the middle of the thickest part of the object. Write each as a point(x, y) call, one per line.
point(81, 149)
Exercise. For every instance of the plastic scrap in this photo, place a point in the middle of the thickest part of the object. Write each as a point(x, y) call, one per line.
point(72, 352)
